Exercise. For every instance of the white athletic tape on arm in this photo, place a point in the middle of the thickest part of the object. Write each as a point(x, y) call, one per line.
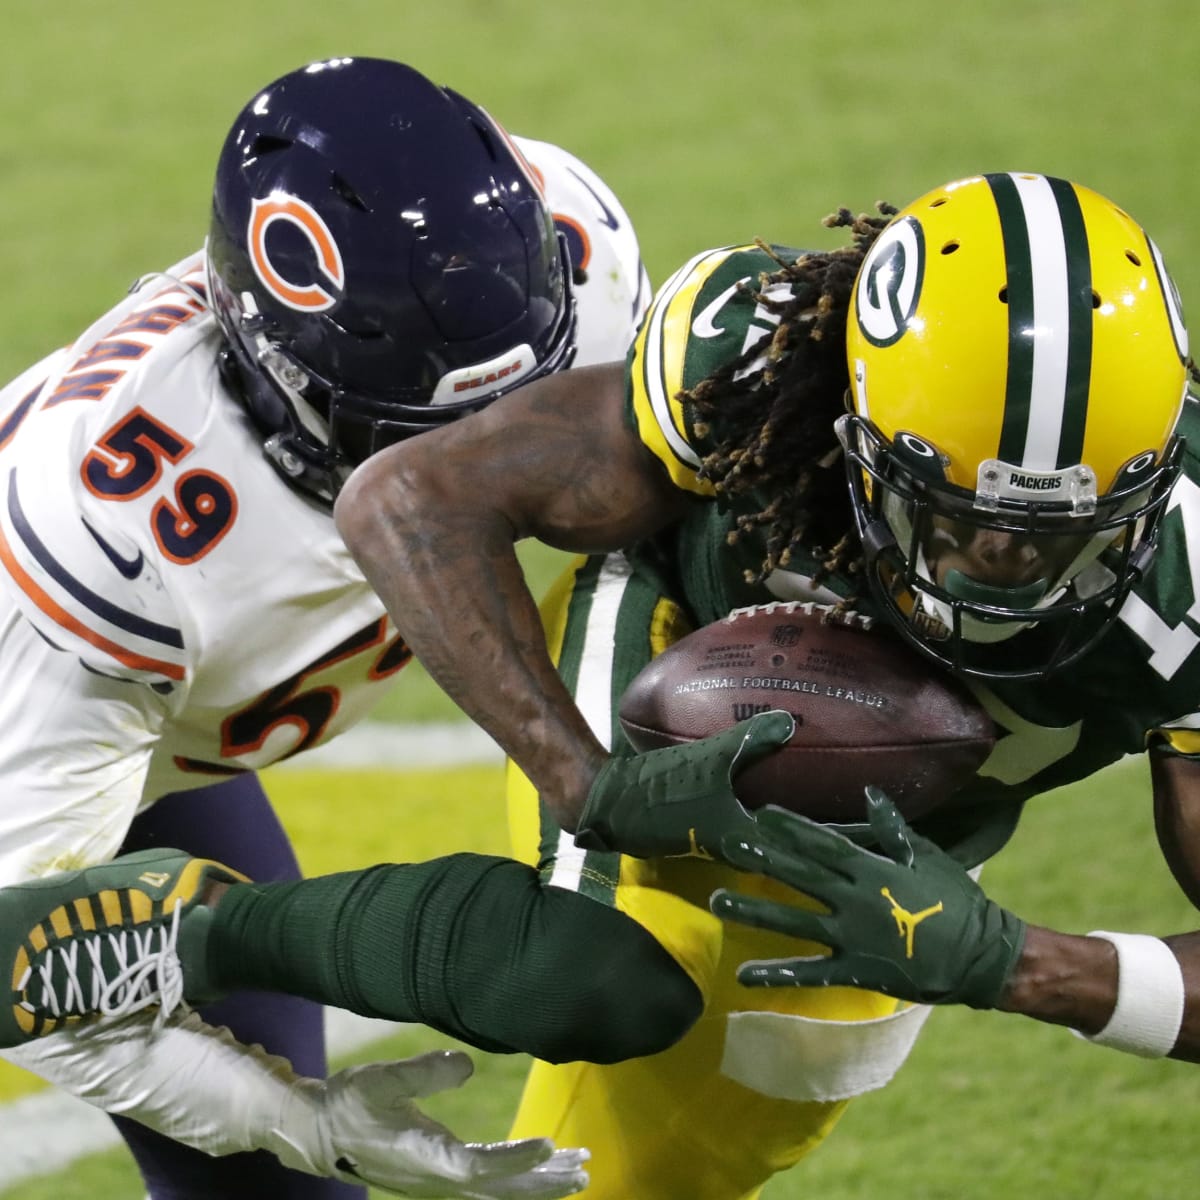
point(791, 1057)
point(1150, 997)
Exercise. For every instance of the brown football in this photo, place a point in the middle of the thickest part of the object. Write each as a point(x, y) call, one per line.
point(868, 709)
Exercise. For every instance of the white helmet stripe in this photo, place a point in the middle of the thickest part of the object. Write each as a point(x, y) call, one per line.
point(1048, 263)
point(1048, 294)
point(655, 357)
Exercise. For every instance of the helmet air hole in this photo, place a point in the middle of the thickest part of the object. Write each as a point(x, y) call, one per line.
point(266, 143)
point(1095, 299)
point(1003, 297)
point(950, 247)
point(939, 202)
point(1133, 258)
point(346, 190)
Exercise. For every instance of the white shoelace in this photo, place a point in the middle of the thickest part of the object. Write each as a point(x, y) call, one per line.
point(144, 975)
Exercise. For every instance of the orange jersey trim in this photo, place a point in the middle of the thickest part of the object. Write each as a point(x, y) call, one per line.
point(61, 617)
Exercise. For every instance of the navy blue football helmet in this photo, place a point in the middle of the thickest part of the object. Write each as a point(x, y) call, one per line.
point(381, 261)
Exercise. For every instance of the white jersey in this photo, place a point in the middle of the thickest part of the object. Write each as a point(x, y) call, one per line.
point(616, 289)
point(170, 611)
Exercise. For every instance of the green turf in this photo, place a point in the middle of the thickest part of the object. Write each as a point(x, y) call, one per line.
point(715, 122)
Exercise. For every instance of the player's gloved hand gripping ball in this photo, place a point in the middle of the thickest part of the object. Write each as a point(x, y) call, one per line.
point(678, 799)
point(904, 919)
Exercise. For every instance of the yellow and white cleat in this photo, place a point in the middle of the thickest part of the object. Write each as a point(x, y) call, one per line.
point(106, 940)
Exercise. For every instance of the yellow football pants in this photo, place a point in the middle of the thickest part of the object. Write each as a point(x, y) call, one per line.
point(702, 1120)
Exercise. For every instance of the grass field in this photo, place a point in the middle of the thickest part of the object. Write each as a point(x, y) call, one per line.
point(714, 122)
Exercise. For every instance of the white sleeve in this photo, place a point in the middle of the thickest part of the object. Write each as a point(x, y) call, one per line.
point(187, 1080)
point(197, 1085)
point(615, 292)
point(75, 747)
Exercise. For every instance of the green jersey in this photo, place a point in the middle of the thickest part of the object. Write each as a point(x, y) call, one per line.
point(1140, 683)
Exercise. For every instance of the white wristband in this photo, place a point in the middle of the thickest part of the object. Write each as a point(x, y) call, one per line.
point(1150, 997)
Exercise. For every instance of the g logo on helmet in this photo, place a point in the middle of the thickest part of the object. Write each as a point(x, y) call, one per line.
point(889, 282)
point(309, 297)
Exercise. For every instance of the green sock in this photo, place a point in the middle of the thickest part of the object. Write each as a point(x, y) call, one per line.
point(469, 944)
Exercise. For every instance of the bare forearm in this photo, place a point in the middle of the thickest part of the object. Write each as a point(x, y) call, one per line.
point(458, 594)
point(1068, 980)
point(433, 523)
point(1064, 980)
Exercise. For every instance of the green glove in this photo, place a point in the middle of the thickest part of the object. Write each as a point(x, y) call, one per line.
point(678, 800)
point(906, 920)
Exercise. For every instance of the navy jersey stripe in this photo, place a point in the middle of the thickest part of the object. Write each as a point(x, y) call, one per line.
point(107, 611)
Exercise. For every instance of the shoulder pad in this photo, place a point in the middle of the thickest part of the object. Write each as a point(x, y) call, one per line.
point(615, 288)
point(1178, 741)
point(706, 316)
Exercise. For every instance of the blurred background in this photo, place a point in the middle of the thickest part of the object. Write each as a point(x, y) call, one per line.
point(715, 123)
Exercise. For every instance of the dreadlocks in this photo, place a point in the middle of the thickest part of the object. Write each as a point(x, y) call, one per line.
point(776, 419)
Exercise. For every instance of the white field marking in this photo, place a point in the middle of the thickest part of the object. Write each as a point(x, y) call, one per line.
point(382, 744)
point(26, 1147)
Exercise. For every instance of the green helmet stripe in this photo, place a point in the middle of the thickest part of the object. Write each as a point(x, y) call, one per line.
point(1049, 298)
point(1019, 299)
point(1079, 341)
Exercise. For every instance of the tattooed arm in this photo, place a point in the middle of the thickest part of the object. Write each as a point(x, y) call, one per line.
point(433, 522)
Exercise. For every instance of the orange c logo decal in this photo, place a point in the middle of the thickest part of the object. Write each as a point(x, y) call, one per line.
point(310, 297)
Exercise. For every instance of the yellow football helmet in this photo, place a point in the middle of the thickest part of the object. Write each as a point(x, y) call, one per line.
point(1018, 356)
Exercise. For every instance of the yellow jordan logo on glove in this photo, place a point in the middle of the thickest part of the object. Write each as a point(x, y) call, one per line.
point(907, 922)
